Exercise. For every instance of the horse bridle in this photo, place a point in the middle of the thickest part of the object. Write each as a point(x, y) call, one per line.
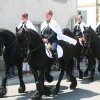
point(28, 49)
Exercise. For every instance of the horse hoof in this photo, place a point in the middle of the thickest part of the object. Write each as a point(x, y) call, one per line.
point(3, 91)
point(47, 91)
point(73, 86)
point(91, 79)
point(80, 77)
point(49, 78)
point(55, 91)
point(21, 89)
point(85, 74)
point(36, 96)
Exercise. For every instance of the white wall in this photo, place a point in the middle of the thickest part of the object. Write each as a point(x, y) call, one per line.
point(90, 7)
point(86, 2)
point(91, 15)
point(10, 11)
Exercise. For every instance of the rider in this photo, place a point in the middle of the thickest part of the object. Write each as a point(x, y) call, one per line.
point(78, 31)
point(25, 23)
point(51, 32)
point(79, 28)
point(49, 35)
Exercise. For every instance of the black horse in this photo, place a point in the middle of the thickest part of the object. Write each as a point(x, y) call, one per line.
point(93, 48)
point(32, 43)
point(12, 57)
point(78, 50)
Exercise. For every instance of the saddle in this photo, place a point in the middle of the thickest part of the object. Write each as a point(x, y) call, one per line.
point(48, 49)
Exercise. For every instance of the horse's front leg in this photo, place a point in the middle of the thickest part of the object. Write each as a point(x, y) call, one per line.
point(86, 72)
point(48, 77)
point(72, 79)
point(99, 65)
point(20, 76)
point(55, 90)
point(3, 89)
point(41, 89)
point(93, 65)
point(78, 67)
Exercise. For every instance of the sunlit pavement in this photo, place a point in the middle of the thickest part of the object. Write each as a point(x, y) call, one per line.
point(84, 91)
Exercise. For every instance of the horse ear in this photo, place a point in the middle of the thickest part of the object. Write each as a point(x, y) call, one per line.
point(16, 29)
point(90, 26)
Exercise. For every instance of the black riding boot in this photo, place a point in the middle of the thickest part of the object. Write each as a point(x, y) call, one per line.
point(55, 56)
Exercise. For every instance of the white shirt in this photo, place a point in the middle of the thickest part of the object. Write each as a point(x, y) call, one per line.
point(82, 25)
point(57, 29)
point(28, 25)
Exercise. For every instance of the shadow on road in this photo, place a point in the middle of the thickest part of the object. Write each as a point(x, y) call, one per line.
point(76, 94)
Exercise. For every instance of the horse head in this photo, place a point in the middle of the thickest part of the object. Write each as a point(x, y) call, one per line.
point(28, 40)
point(89, 34)
point(22, 41)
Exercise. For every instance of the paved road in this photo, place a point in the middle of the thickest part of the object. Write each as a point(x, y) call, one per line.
point(84, 90)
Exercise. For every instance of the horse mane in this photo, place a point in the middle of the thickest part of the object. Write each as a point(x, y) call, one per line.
point(92, 30)
point(93, 33)
point(34, 36)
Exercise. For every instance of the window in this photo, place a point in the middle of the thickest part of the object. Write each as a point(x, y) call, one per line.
point(84, 15)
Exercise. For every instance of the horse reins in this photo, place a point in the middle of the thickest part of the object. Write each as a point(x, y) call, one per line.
point(33, 50)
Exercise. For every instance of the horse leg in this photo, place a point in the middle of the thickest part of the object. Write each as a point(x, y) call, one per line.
point(55, 90)
point(88, 69)
point(71, 64)
point(99, 65)
point(3, 89)
point(78, 67)
point(41, 89)
point(69, 71)
point(48, 77)
point(72, 79)
point(86, 72)
point(92, 64)
point(20, 76)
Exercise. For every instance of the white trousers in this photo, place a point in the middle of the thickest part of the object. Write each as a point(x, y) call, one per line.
point(26, 66)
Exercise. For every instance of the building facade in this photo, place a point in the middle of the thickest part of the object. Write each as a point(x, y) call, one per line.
point(98, 10)
point(88, 8)
point(10, 11)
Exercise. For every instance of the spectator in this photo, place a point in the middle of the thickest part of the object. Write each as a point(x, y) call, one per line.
point(26, 68)
point(25, 23)
point(11, 72)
